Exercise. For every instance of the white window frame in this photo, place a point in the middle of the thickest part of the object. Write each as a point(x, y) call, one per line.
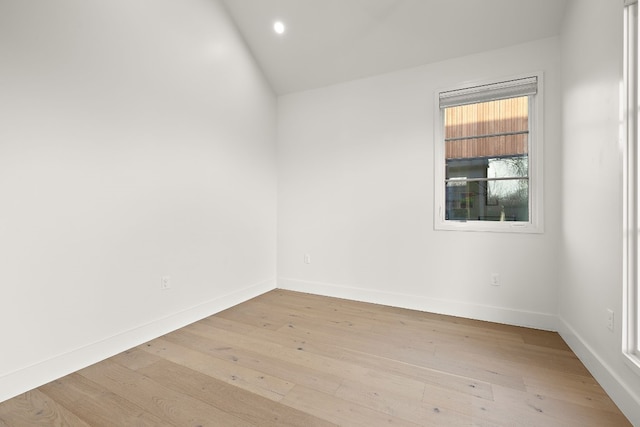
point(535, 223)
point(631, 189)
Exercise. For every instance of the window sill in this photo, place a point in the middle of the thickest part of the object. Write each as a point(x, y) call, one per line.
point(490, 226)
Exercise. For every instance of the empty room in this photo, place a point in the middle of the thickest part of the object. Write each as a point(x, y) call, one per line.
point(319, 212)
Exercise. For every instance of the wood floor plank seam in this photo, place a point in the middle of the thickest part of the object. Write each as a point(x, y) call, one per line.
point(294, 359)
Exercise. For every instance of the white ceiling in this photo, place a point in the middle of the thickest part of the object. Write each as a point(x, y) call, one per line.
point(331, 41)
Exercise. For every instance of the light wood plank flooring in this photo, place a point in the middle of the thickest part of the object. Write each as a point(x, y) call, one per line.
point(293, 359)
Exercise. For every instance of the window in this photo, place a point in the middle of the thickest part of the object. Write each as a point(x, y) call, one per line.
point(486, 157)
point(631, 303)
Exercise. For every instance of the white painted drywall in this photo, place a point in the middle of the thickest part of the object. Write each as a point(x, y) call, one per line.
point(137, 139)
point(356, 187)
point(591, 250)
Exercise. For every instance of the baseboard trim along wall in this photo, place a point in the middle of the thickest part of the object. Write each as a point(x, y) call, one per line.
point(544, 321)
point(30, 377)
point(626, 398)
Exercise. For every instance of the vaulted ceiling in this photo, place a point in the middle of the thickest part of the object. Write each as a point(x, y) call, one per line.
point(331, 41)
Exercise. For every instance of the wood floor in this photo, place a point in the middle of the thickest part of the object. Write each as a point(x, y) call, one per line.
point(293, 359)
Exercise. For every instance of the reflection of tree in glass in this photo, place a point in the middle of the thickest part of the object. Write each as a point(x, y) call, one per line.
point(511, 195)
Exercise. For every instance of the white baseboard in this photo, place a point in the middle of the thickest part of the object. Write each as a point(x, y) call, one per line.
point(544, 321)
point(627, 399)
point(25, 379)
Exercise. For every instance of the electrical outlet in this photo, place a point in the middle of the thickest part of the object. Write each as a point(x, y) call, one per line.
point(495, 279)
point(610, 319)
point(165, 283)
point(307, 259)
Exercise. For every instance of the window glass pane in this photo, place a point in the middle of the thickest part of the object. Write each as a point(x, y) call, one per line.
point(505, 167)
point(465, 200)
point(502, 200)
point(485, 118)
point(467, 168)
point(508, 167)
point(506, 145)
point(512, 198)
point(487, 161)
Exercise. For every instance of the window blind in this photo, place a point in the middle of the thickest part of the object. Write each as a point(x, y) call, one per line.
point(489, 92)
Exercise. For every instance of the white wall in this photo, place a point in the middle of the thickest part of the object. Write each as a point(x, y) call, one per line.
point(137, 139)
point(591, 254)
point(356, 188)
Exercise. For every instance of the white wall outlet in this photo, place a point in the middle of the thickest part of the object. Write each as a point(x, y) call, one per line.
point(165, 282)
point(495, 279)
point(307, 259)
point(610, 319)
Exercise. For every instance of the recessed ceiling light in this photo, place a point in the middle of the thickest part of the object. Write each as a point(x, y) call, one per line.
point(278, 27)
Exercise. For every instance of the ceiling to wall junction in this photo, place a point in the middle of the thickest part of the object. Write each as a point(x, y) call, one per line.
point(331, 41)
